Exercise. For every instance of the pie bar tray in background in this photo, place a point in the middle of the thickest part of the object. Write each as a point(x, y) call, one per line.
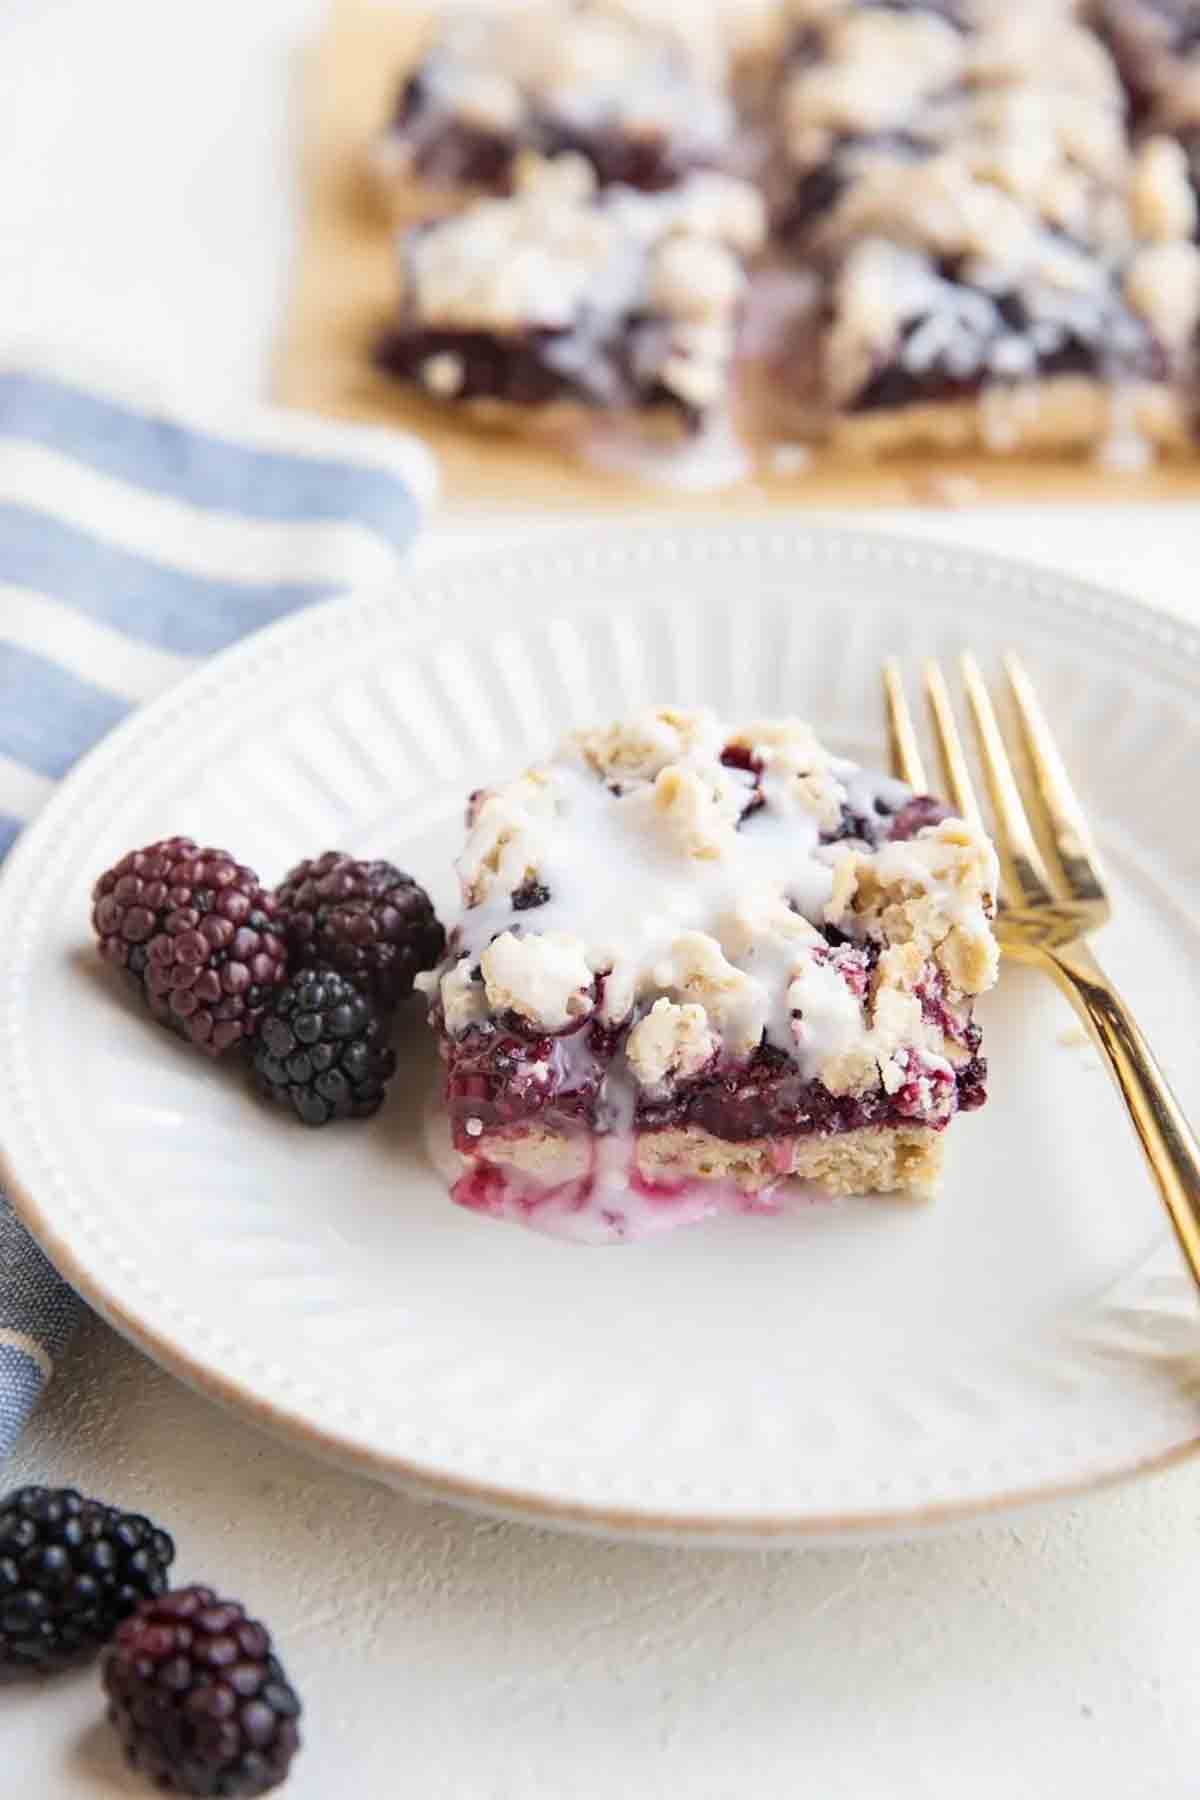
point(344, 292)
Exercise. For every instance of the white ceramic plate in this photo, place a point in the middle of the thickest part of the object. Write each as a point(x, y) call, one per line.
point(862, 1367)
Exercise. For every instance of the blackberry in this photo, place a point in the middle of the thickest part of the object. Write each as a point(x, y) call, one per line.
point(322, 1049)
point(368, 920)
point(198, 931)
point(200, 1703)
point(531, 893)
point(915, 815)
point(70, 1570)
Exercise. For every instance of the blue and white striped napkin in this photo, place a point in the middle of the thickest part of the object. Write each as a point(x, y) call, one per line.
point(133, 544)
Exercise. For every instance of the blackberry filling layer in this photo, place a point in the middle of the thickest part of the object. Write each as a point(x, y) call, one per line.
point(605, 363)
point(696, 960)
point(498, 1080)
point(471, 365)
point(455, 153)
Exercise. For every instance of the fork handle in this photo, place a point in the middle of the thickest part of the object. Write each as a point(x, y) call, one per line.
point(1166, 1137)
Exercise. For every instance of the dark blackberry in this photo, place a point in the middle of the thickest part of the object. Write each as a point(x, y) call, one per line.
point(322, 1050)
point(200, 1703)
point(531, 893)
point(70, 1570)
point(368, 920)
point(850, 825)
point(198, 931)
point(738, 756)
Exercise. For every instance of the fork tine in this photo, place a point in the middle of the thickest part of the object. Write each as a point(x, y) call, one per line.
point(902, 735)
point(1015, 841)
point(950, 745)
point(1068, 828)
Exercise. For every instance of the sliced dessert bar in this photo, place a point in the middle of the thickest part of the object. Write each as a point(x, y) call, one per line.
point(940, 347)
point(642, 104)
point(563, 296)
point(997, 271)
point(697, 959)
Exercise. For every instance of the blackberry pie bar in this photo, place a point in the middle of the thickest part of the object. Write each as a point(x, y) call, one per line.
point(696, 960)
point(641, 103)
point(999, 269)
point(564, 298)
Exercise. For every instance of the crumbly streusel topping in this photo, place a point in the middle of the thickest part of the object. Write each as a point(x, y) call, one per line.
point(591, 68)
point(873, 72)
point(1024, 98)
point(928, 893)
point(532, 260)
point(525, 262)
point(1161, 195)
point(671, 1042)
point(677, 876)
point(1162, 283)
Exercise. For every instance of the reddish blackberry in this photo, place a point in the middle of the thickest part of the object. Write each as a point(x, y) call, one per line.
point(368, 920)
point(322, 1050)
point(70, 1570)
point(131, 901)
point(198, 930)
point(922, 810)
point(200, 1703)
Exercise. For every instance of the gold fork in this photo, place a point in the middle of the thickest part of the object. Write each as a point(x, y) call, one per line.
point(1048, 907)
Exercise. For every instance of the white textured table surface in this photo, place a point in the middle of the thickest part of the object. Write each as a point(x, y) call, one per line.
point(145, 210)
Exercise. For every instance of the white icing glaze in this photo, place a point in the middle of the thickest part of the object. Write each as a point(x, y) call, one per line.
point(623, 882)
point(656, 882)
point(826, 1016)
point(708, 461)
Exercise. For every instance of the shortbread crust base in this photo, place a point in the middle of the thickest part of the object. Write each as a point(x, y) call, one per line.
point(903, 1159)
point(1061, 413)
